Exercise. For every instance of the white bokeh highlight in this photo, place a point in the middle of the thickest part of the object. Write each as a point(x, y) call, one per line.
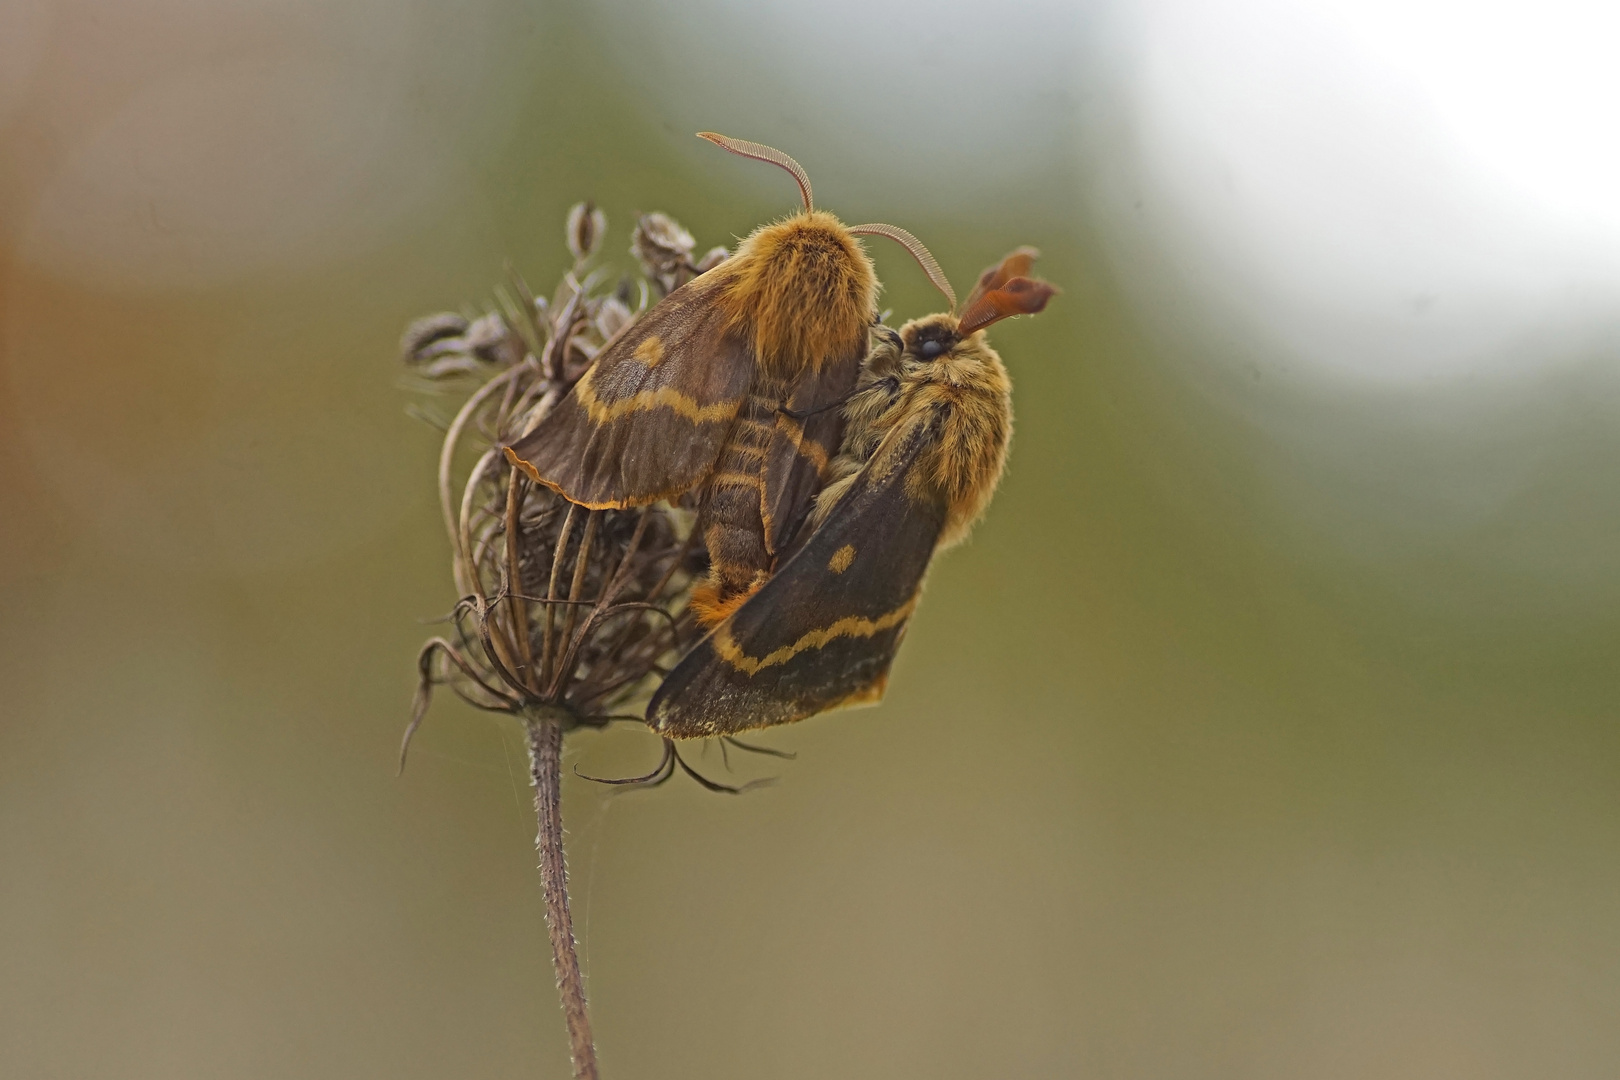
point(1327, 184)
point(940, 104)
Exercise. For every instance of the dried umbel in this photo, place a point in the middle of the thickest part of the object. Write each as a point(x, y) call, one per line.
point(569, 611)
point(586, 227)
point(566, 615)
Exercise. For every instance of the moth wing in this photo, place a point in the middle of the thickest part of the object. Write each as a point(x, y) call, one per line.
point(823, 631)
point(649, 417)
point(796, 458)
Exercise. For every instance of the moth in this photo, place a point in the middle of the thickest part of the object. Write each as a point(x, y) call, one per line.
point(720, 391)
point(925, 443)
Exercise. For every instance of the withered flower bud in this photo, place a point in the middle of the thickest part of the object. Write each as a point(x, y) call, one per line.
point(586, 226)
point(486, 336)
point(613, 317)
point(664, 250)
point(444, 345)
point(423, 340)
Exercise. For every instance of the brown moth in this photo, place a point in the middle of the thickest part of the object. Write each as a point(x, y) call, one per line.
point(923, 450)
point(720, 389)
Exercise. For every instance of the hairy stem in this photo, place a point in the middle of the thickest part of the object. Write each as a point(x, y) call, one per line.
point(545, 771)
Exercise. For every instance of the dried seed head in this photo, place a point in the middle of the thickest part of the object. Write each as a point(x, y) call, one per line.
point(444, 345)
point(486, 336)
point(565, 613)
point(660, 239)
point(613, 317)
point(587, 225)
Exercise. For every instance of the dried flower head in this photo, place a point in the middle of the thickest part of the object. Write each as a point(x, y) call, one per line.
point(566, 614)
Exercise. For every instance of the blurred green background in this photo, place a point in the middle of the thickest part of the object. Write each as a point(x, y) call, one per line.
point(1266, 729)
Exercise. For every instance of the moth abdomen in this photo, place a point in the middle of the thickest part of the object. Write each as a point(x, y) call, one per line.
point(733, 522)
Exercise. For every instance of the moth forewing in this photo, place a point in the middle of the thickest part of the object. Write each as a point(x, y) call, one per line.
point(644, 422)
point(824, 629)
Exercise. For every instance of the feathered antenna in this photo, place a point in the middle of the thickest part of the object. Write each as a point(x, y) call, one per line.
point(1005, 290)
point(924, 258)
point(761, 152)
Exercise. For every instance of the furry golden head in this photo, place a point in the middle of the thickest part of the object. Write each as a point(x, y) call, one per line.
point(801, 291)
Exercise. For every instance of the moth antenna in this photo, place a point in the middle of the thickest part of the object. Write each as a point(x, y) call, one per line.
point(761, 152)
point(918, 251)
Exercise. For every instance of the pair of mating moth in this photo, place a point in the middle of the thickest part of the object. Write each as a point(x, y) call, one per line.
point(827, 474)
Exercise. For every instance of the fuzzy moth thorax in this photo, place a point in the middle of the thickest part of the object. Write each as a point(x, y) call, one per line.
point(801, 291)
point(929, 375)
point(961, 380)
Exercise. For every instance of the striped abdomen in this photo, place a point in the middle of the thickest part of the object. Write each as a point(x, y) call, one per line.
point(732, 523)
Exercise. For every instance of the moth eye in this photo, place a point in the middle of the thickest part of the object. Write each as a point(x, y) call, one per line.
point(931, 348)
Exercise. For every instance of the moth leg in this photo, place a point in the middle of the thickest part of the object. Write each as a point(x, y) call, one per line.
point(803, 414)
point(662, 772)
point(786, 755)
point(712, 785)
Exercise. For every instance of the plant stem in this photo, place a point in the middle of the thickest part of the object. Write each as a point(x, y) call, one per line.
point(545, 772)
